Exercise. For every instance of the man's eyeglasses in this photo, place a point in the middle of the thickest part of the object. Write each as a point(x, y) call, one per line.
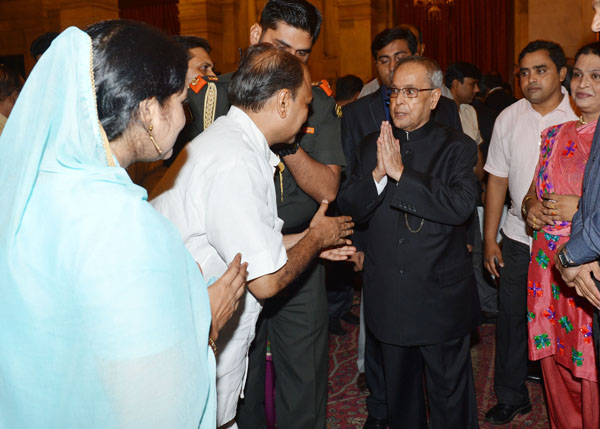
point(406, 92)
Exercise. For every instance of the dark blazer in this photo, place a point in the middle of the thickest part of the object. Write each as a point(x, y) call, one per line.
point(419, 286)
point(499, 100)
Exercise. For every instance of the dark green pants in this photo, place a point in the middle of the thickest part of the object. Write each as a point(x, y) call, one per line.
point(295, 322)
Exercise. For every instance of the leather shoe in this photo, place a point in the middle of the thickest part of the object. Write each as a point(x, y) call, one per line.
point(500, 414)
point(361, 382)
point(351, 319)
point(374, 423)
point(335, 327)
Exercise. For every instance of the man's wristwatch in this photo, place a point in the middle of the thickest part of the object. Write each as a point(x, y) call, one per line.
point(565, 260)
point(289, 150)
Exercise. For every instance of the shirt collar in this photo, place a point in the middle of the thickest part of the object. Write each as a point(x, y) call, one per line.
point(417, 134)
point(564, 106)
point(257, 138)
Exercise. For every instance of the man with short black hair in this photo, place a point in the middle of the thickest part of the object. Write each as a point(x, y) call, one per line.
point(347, 89)
point(511, 161)
point(199, 62)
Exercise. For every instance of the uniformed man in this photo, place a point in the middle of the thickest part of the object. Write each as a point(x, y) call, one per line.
point(295, 321)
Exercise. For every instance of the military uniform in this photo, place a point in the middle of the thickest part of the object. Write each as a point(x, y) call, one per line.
point(295, 321)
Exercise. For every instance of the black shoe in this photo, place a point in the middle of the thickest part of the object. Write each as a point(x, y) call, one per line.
point(534, 372)
point(361, 382)
point(351, 319)
point(335, 327)
point(374, 423)
point(500, 414)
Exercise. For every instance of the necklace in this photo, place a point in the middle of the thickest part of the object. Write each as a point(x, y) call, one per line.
point(414, 231)
point(582, 121)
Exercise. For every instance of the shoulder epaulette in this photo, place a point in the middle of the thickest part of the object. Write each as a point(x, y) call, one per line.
point(200, 82)
point(197, 84)
point(324, 85)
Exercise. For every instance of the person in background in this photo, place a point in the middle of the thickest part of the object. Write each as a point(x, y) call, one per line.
point(41, 44)
point(340, 276)
point(105, 318)
point(510, 164)
point(10, 86)
point(347, 89)
point(559, 321)
point(199, 62)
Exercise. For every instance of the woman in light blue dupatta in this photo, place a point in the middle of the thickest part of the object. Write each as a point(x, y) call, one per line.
point(104, 315)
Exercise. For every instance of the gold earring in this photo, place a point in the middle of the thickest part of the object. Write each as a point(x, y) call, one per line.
point(150, 128)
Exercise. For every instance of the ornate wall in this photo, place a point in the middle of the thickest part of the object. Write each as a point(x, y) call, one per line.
point(21, 21)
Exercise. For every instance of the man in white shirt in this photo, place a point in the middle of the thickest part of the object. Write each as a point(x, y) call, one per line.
point(511, 161)
point(220, 194)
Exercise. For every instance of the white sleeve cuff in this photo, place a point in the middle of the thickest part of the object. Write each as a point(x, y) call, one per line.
point(381, 185)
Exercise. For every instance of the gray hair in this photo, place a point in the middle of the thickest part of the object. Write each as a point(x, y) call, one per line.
point(434, 72)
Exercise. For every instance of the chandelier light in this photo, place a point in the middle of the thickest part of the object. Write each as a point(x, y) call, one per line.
point(434, 11)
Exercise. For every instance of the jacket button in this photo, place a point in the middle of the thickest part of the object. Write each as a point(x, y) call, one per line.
point(401, 240)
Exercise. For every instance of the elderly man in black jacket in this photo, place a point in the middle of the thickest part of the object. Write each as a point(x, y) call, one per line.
point(414, 185)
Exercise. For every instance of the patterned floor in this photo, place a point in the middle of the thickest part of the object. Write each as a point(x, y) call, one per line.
point(346, 404)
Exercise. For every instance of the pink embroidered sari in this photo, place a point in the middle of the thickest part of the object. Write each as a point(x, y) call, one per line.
point(560, 322)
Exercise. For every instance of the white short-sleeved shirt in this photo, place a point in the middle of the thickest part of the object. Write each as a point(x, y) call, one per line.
point(514, 152)
point(220, 195)
point(469, 122)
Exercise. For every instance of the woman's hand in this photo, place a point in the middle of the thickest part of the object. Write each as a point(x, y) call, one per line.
point(560, 207)
point(224, 294)
point(536, 218)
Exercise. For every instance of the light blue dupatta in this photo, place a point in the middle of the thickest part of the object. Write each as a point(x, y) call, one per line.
point(104, 315)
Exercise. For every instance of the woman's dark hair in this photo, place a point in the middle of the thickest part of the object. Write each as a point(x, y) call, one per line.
point(589, 49)
point(556, 53)
point(10, 81)
point(133, 62)
point(388, 35)
point(41, 44)
point(264, 70)
point(295, 13)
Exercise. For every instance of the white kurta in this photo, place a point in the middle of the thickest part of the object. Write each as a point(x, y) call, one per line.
point(220, 195)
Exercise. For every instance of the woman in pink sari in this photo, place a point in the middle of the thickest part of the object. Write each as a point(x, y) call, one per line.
point(559, 321)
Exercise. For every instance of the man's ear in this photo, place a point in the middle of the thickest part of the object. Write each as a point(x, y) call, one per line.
point(422, 49)
point(435, 97)
point(148, 110)
point(255, 33)
point(284, 103)
point(562, 74)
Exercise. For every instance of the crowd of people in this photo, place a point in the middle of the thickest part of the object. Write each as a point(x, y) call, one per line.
point(161, 236)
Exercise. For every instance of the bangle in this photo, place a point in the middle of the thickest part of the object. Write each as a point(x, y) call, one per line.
point(524, 206)
point(212, 345)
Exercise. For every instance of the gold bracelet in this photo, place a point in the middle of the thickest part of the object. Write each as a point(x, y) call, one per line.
point(212, 345)
point(524, 206)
